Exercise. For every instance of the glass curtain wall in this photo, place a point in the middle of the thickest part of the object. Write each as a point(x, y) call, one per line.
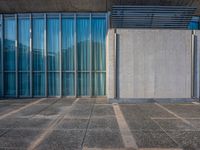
point(24, 55)
point(83, 55)
point(98, 56)
point(68, 61)
point(53, 54)
point(9, 52)
point(1, 60)
point(38, 55)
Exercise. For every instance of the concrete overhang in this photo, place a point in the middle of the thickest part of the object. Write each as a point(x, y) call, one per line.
point(22, 6)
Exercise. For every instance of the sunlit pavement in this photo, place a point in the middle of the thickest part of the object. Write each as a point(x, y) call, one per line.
point(95, 124)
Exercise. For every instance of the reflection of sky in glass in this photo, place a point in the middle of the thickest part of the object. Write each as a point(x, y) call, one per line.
point(68, 44)
point(38, 44)
point(53, 43)
point(69, 30)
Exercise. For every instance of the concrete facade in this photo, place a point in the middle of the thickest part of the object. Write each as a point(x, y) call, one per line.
point(20, 6)
point(151, 63)
point(197, 64)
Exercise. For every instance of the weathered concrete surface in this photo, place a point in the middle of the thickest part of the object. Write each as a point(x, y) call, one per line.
point(12, 6)
point(197, 64)
point(149, 126)
point(151, 63)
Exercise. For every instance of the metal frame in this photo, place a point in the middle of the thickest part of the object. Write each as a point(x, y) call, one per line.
point(192, 64)
point(2, 58)
point(129, 16)
point(45, 53)
point(31, 49)
point(31, 16)
point(75, 58)
point(60, 52)
point(16, 57)
point(91, 55)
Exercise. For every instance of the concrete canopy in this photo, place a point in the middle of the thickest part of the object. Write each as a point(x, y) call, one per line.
point(20, 6)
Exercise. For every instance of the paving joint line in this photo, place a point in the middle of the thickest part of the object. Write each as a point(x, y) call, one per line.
point(167, 134)
point(91, 112)
point(45, 108)
point(174, 114)
point(50, 128)
point(22, 108)
point(127, 137)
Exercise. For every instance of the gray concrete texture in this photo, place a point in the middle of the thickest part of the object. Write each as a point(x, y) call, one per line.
point(151, 63)
point(17, 6)
point(149, 125)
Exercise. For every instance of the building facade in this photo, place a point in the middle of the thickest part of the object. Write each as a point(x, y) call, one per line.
point(74, 49)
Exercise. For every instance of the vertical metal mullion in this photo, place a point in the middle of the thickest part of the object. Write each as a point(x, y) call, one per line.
point(192, 66)
point(60, 53)
point(2, 61)
point(107, 28)
point(115, 65)
point(45, 51)
point(75, 57)
point(31, 47)
point(16, 55)
point(90, 55)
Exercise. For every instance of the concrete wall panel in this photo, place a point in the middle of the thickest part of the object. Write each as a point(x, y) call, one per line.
point(154, 63)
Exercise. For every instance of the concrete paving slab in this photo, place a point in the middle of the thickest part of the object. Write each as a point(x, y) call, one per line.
point(6, 108)
point(3, 131)
point(18, 101)
point(49, 101)
point(189, 140)
point(142, 124)
point(24, 123)
point(30, 112)
point(133, 112)
point(101, 101)
point(151, 139)
point(174, 124)
point(18, 138)
point(51, 111)
point(153, 111)
point(186, 111)
point(79, 110)
point(103, 110)
point(107, 123)
point(62, 140)
point(103, 139)
point(195, 123)
point(86, 101)
point(74, 124)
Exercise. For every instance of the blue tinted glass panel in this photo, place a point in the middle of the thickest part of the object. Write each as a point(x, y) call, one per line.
point(67, 44)
point(1, 85)
point(53, 84)
point(83, 43)
point(9, 56)
point(38, 44)
point(9, 84)
point(24, 56)
point(98, 44)
point(99, 84)
point(24, 84)
point(53, 44)
point(83, 84)
point(38, 84)
point(23, 44)
point(9, 44)
point(68, 84)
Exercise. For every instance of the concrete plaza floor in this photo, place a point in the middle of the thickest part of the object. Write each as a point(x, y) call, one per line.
point(94, 124)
